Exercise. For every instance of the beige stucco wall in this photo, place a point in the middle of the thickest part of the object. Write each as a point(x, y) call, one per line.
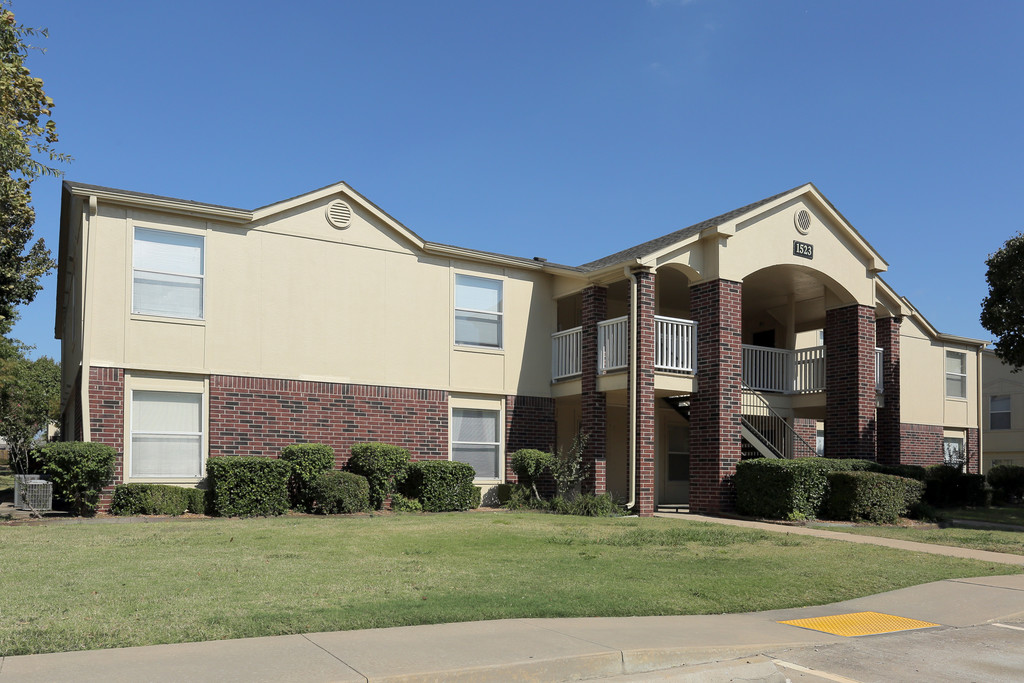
point(1002, 446)
point(923, 380)
point(290, 296)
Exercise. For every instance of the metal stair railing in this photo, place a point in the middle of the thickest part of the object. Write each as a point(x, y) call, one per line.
point(773, 429)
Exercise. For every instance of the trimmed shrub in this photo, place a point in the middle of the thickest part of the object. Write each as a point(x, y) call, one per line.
point(871, 496)
point(382, 464)
point(400, 503)
point(948, 487)
point(157, 499)
point(442, 485)
point(787, 489)
point(529, 465)
point(308, 461)
point(909, 471)
point(243, 486)
point(339, 492)
point(78, 470)
point(521, 498)
point(587, 505)
point(1007, 480)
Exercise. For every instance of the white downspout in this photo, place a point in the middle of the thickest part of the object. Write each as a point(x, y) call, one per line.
point(633, 355)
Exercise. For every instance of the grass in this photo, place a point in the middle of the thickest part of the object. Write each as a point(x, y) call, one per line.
point(88, 586)
point(996, 515)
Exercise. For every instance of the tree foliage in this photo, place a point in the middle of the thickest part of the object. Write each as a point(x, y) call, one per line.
point(1002, 311)
point(29, 399)
point(27, 133)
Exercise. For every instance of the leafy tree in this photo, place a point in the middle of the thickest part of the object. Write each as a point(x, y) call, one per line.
point(1002, 311)
point(26, 132)
point(29, 399)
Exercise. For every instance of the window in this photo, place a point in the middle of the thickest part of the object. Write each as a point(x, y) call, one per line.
point(478, 304)
point(167, 274)
point(166, 435)
point(953, 453)
point(476, 440)
point(999, 412)
point(956, 374)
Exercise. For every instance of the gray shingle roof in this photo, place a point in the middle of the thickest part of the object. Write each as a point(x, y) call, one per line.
point(651, 246)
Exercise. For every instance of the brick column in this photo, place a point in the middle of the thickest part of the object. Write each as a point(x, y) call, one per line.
point(973, 452)
point(593, 408)
point(715, 409)
point(643, 402)
point(807, 430)
point(850, 382)
point(106, 420)
point(887, 338)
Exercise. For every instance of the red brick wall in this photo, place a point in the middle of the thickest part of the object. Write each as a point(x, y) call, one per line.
point(593, 408)
point(715, 409)
point(887, 337)
point(921, 444)
point(808, 431)
point(850, 382)
point(259, 416)
point(529, 423)
point(644, 399)
point(106, 419)
point(973, 452)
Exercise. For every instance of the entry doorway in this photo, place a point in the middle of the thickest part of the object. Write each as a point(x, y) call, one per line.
point(674, 463)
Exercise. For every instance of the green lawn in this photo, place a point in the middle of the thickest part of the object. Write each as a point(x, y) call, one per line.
point(996, 515)
point(87, 586)
point(979, 539)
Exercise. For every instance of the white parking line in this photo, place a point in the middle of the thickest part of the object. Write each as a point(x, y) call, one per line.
point(814, 672)
point(1015, 628)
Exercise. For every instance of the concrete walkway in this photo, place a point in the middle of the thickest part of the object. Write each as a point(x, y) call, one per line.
point(931, 548)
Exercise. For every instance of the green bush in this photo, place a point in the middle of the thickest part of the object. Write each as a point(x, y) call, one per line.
point(338, 492)
point(521, 498)
point(948, 487)
point(79, 471)
point(1007, 480)
point(587, 505)
point(908, 471)
point(871, 496)
point(248, 486)
point(529, 465)
point(400, 503)
point(442, 485)
point(157, 499)
point(787, 489)
point(308, 461)
point(382, 464)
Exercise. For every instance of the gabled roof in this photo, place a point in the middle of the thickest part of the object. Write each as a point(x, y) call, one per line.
point(659, 243)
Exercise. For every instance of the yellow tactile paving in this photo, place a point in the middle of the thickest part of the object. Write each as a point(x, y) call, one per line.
point(859, 624)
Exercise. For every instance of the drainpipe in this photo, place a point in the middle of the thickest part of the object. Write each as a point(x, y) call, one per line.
point(634, 329)
point(979, 407)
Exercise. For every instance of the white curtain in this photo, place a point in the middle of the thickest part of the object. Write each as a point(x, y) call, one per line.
point(166, 434)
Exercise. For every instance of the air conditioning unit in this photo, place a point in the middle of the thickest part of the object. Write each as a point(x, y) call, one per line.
point(35, 494)
point(20, 481)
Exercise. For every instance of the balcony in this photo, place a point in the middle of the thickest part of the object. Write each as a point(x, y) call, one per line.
point(785, 371)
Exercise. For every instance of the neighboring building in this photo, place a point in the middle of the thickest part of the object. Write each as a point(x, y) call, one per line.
point(1002, 413)
point(193, 330)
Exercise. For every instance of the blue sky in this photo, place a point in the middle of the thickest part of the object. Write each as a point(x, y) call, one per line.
point(563, 129)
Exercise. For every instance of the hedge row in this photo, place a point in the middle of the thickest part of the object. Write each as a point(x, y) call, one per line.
point(157, 499)
point(800, 488)
point(871, 496)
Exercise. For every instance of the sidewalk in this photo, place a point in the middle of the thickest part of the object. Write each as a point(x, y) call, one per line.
point(716, 646)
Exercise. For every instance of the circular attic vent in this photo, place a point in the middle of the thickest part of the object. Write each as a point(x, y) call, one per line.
point(802, 219)
point(339, 214)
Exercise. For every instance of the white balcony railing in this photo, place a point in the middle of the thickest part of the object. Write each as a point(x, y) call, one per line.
point(676, 343)
point(613, 344)
point(566, 353)
point(800, 371)
point(878, 370)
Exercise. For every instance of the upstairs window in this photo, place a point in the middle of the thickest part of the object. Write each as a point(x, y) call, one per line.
point(167, 274)
point(956, 374)
point(478, 311)
point(999, 412)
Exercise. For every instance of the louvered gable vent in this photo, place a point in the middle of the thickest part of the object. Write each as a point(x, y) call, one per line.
point(339, 214)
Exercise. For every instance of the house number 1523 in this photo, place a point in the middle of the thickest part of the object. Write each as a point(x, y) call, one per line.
point(803, 249)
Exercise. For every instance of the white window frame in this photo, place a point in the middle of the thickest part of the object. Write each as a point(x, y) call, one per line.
point(992, 412)
point(960, 443)
point(201, 277)
point(179, 384)
point(500, 314)
point(960, 375)
point(495, 406)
